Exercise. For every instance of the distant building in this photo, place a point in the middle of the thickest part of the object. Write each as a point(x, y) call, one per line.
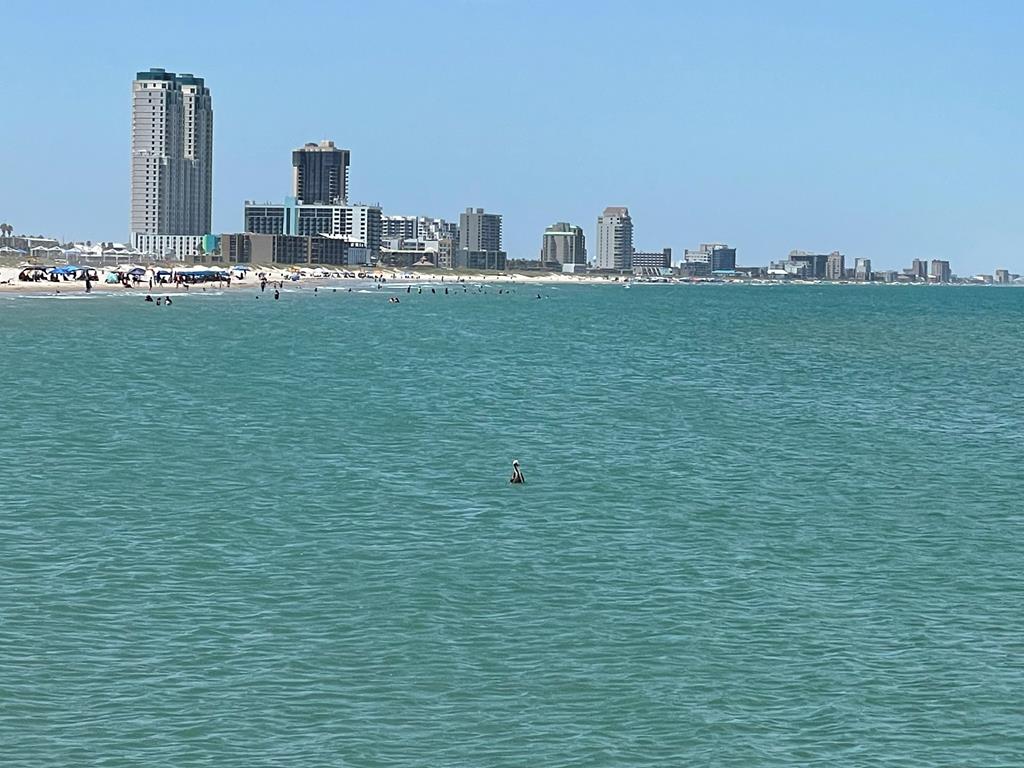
point(862, 269)
point(789, 269)
point(320, 174)
point(940, 271)
point(399, 252)
point(479, 231)
point(708, 258)
point(563, 243)
point(615, 239)
point(655, 260)
point(479, 241)
point(171, 162)
point(418, 228)
point(250, 248)
point(1002, 276)
point(493, 260)
point(817, 263)
point(919, 269)
point(835, 266)
point(359, 224)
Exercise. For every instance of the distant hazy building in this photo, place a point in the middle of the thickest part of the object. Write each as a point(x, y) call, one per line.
point(708, 258)
point(862, 269)
point(563, 243)
point(919, 269)
point(172, 162)
point(940, 271)
point(652, 260)
point(358, 224)
point(320, 174)
point(1002, 276)
point(614, 239)
point(249, 248)
point(835, 266)
point(480, 241)
point(817, 263)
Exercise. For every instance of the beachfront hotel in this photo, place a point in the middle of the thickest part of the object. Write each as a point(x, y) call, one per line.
point(615, 239)
point(172, 163)
point(563, 243)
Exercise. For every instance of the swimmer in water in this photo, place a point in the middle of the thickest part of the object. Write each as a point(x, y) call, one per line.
point(517, 475)
point(277, 294)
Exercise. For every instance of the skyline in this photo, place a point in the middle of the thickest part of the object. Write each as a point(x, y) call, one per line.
point(807, 150)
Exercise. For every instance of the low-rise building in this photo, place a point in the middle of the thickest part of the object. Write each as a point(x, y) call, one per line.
point(399, 252)
point(652, 259)
point(707, 259)
point(357, 223)
point(249, 248)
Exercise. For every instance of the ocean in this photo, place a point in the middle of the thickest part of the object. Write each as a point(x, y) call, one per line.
point(761, 526)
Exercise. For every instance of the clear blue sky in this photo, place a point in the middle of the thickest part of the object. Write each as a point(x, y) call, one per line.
point(889, 130)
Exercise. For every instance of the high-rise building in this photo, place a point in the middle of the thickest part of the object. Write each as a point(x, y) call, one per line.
point(479, 241)
point(1002, 276)
point(564, 243)
point(615, 239)
point(479, 231)
point(862, 269)
point(835, 266)
point(320, 174)
point(172, 162)
point(919, 269)
point(940, 271)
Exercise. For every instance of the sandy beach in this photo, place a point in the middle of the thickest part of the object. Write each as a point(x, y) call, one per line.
point(10, 282)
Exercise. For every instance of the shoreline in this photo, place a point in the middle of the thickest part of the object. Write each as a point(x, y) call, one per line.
point(9, 283)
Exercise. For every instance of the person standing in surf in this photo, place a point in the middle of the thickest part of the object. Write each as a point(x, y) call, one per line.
point(517, 474)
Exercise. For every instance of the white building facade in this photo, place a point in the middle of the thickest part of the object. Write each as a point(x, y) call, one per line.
point(615, 239)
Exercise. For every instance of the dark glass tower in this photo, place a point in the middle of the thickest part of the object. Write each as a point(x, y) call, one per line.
point(320, 174)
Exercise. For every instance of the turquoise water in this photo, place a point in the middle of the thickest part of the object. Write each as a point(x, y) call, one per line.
point(761, 527)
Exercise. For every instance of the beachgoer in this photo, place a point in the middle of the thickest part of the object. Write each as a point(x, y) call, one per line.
point(277, 294)
point(158, 301)
point(167, 301)
point(517, 475)
point(148, 297)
